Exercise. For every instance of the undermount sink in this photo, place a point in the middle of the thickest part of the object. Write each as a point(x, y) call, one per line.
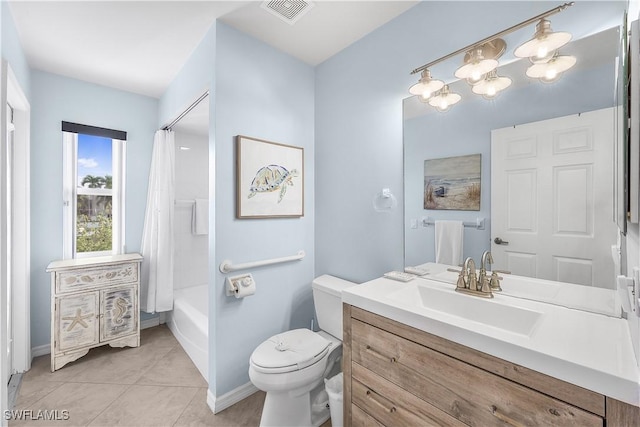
point(510, 318)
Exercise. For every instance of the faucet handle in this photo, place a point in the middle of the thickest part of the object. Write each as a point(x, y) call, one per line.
point(494, 282)
point(501, 271)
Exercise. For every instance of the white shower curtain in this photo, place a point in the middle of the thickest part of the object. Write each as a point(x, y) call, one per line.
point(156, 290)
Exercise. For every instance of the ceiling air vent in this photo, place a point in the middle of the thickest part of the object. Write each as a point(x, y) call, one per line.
point(290, 11)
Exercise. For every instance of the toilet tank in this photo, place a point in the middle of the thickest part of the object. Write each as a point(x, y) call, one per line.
point(327, 297)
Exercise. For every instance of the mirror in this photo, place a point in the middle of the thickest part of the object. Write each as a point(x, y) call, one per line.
point(466, 129)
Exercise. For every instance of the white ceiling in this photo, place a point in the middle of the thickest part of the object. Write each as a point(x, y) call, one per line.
point(140, 46)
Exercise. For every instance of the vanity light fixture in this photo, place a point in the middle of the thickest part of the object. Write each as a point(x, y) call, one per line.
point(444, 99)
point(426, 86)
point(481, 61)
point(543, 44)
point(492, 85)
point(551, 71)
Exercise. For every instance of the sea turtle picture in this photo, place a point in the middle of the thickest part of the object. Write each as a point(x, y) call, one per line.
point(272, 178)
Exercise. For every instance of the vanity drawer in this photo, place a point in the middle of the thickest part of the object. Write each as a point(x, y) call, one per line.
point(470, 394)
point(359, 418)
point(393, 406)
point(82, 278)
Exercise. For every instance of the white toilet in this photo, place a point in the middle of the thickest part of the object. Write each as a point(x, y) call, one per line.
point(291, 366)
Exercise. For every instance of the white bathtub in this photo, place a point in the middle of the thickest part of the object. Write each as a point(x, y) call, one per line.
point(189, 322)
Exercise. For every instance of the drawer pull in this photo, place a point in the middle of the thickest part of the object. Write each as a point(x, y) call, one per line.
point(392, 359)
point(372, 395)
point(505, 418)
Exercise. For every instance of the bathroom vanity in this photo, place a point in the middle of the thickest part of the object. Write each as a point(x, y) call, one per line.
point(94, 302)
point(418, 353)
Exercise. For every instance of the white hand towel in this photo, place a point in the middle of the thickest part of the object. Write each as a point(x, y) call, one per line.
point(449, 236)
point(200, 217)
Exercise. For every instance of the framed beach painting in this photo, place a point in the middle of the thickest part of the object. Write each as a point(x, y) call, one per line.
point(452, 183)
point(269, 180)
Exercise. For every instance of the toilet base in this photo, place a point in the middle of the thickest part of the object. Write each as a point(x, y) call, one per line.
point(283, 409)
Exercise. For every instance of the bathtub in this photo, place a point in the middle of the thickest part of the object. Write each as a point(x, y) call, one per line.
point(189, 323)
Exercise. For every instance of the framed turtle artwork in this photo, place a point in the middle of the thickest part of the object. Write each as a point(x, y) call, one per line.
point(269, 179)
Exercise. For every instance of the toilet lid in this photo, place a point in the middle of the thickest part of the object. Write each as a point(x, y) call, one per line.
point(290, 351)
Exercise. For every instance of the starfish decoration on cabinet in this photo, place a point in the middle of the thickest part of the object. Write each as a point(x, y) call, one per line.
point(78, 319)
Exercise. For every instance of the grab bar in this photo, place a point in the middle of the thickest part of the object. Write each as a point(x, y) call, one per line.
point(227, 267)
point(479, 223)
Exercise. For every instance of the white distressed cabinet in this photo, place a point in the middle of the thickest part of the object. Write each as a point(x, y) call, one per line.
point(94, 302)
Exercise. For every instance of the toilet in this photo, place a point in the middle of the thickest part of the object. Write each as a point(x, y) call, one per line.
point(291, 366)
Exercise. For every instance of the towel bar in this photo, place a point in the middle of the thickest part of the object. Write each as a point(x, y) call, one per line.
point(478, 224)
point(227, 267)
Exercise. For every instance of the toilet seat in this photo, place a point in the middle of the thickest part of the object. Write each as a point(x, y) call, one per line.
point(290, 351)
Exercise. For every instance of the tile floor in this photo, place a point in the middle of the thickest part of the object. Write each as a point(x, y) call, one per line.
point(155, 384)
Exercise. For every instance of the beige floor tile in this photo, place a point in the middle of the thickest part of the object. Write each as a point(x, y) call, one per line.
point(174, 369)
point(244, 413)
point(147, 406)
point(158, 336)
point(41, 367)
point(121, 365)
point(31, 391)
point(82, 401)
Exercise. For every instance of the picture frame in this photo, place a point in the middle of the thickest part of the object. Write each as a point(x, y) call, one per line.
point(269, 179)
point(453, 183)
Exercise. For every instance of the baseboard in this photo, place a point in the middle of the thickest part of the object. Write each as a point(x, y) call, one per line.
point(220, 403)
point(40, 350)
point(149, 323)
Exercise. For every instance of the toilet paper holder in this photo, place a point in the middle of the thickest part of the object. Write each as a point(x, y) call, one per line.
point(240, 286)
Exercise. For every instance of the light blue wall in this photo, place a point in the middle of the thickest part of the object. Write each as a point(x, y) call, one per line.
point(439, 135)
point(193, 80)
point(358, 122)
point(195, 77)
point(266, 94)
point(12, 51)
point(56, 98)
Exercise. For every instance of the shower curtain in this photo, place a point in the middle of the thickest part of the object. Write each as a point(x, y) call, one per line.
point(156, 290)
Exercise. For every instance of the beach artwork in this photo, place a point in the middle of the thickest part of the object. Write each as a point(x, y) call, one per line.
point(452, 183)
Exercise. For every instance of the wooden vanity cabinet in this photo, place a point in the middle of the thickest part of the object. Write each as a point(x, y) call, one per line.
point(94, 302)
point(396, 375)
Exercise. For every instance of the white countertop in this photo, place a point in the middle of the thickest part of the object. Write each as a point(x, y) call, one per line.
point(590, 350)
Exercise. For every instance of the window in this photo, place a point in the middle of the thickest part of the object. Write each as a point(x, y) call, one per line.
point(94, 160)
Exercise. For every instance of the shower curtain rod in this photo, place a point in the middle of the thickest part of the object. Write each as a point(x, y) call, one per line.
point(185, 112)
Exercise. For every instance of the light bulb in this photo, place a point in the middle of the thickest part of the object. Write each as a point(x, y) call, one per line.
point(552, 70)
point(426, 86)
point(492, 85)
point(551, 74)
point(544, 41)
point(543, 51)
point(444, 99)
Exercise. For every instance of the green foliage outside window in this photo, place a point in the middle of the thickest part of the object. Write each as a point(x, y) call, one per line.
point(93, 234)
point(94, 221)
